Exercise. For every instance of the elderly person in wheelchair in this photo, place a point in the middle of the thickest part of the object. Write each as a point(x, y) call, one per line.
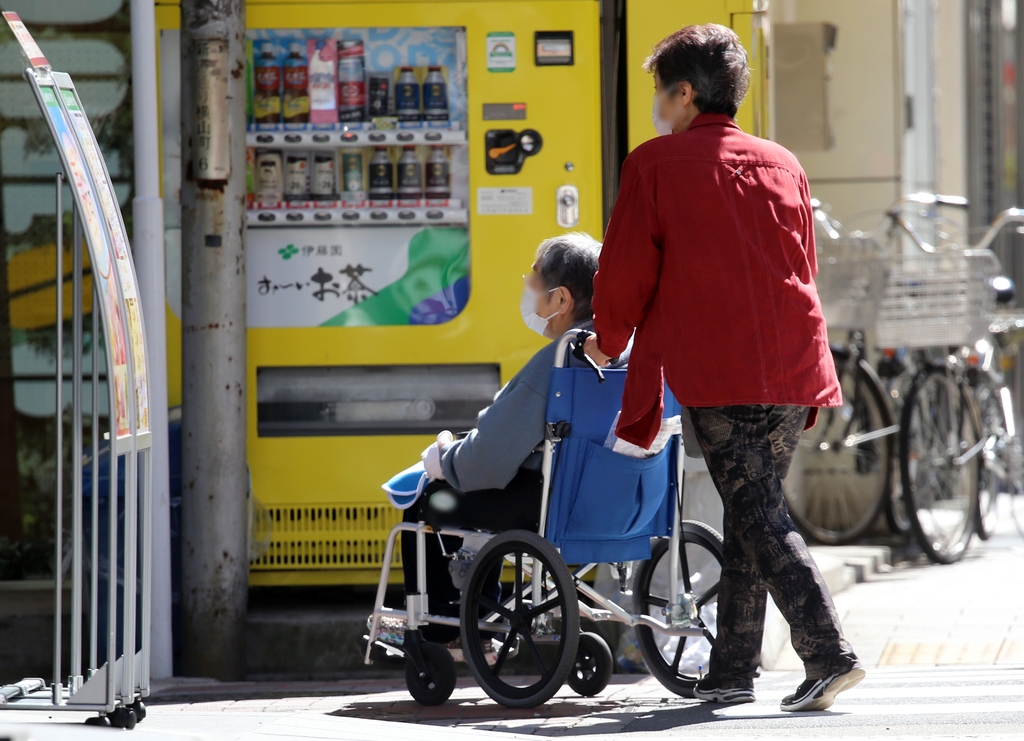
point(541, 484)
point(490, 478)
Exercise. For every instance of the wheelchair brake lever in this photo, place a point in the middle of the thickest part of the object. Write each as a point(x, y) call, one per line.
point(579, 354)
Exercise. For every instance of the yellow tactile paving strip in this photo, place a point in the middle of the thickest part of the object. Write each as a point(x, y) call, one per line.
point(953, 652)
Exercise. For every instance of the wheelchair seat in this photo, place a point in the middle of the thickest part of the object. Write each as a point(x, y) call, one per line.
point(516, 507)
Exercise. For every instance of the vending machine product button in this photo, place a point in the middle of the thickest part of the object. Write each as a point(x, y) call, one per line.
point(378, 215)
point(377, 137)
point(265, 216)
point(265, 138)
point(321, 138)
point(432, 136)
point(322, 216)
point(405, 136)
point(293, 216)
point(435, 214)
point(293, 138)
point(407, 215)
point(350, 216)
point(348, 136)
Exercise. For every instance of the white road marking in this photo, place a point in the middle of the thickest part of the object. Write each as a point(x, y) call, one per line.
point(895, 693)
point(840, 709)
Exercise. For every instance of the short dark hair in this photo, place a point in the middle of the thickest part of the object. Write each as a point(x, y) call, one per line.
point(710, 58)
point(570, 260)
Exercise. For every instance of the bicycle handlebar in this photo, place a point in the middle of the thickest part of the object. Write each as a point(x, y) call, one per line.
point(1004, 218)
point(928, 199)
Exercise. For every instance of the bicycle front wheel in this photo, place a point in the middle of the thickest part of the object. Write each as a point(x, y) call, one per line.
point(994, 463)
point(940, 457)
point(842, 472)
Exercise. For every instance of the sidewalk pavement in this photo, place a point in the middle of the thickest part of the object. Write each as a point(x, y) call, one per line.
point(969, 613)
point(918, 613)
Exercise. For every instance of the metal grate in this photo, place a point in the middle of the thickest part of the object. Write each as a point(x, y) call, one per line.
point(937, 300)
point(327, 537)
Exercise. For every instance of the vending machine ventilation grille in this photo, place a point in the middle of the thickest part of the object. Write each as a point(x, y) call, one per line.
point(328, 537)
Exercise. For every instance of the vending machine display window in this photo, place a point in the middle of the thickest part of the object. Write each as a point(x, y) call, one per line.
point(357, 177)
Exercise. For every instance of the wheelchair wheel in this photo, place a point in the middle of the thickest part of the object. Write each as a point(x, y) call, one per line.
point(437, 684)
point(548, 630)
point(592, 670)
point(675, 660)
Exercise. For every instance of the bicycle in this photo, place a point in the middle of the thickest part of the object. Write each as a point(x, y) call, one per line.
point(932, 300)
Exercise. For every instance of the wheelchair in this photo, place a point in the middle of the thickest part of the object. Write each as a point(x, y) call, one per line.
point(597, 507)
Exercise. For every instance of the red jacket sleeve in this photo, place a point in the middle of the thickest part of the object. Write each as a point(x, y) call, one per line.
point(629, 264)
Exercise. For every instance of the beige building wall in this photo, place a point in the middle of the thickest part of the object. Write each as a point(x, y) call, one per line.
point(950, 98)
point(865, 171)
point(860, 175)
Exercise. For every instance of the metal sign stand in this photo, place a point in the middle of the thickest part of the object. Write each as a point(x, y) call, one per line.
point(116, 675)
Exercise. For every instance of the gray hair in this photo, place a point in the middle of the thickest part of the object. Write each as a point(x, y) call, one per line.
point(711, 58)
point(570, 260)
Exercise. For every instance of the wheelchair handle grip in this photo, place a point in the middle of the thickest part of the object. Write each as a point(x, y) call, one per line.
point(579, 354)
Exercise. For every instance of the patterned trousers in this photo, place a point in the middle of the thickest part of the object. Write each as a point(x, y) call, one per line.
point(748, 450)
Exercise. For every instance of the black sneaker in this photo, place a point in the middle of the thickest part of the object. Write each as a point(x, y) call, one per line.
point(819, 694)
point(707, 689)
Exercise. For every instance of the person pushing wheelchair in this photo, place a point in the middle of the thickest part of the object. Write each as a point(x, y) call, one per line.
point(721, 220)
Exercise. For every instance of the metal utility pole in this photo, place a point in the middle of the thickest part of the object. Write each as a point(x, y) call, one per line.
point(215, 565)
point(148, 243)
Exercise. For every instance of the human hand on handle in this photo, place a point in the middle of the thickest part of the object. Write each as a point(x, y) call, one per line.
point(590, 348)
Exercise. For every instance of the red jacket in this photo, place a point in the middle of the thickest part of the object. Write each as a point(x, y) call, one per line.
point(710, 256)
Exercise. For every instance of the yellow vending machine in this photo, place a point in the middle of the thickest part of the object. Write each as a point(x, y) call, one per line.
point(405, 161)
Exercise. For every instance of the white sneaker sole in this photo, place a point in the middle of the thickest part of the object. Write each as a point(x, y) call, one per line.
point(840, 684)
point(725, 697)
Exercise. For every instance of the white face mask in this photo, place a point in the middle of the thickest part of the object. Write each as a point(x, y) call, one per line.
point(528, 310)
point(661, 125)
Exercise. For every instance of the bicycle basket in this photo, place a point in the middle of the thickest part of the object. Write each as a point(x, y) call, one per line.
point(937, 300)
point(851, 276)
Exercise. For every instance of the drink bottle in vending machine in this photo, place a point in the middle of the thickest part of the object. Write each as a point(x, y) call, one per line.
point(439, 186)
point(296, 178)
point(323, 81)
point(382, 175)
point(324, 181)
point(435, 96)
point(351, 81)
point(410, 175)
point(269, 176)
point(352, 172)
point(267, 99)
point(296, 85)
point(407, 95)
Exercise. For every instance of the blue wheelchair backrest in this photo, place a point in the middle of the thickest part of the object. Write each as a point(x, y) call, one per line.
point(604, 506)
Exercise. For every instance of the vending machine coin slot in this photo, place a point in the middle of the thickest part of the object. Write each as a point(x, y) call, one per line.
point(506, 150)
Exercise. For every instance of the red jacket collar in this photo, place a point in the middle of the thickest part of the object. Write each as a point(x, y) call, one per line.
point(713, 119)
